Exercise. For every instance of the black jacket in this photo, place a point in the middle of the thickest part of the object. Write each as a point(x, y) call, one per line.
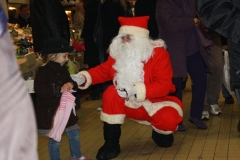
point(23, 22)
point(223, 17)
point(49, 20)
point(110, 11)
point(91, 55)
point(148, 8)
point(47, 86)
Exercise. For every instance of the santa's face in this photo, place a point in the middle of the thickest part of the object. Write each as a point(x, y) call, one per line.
point(130, 53)
point(126, 38)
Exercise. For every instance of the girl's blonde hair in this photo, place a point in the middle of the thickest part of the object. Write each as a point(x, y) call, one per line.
point(49, 57)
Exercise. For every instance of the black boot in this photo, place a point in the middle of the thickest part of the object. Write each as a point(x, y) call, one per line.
point(111, 147)
point(162, 140)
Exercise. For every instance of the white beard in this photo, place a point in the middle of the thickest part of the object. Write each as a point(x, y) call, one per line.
point(130, 58)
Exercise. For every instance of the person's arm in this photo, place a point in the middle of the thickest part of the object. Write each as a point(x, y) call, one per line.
point(99, 74)
point(167, 19)
point(222, 16)
point(162, 74)
point(42, 87)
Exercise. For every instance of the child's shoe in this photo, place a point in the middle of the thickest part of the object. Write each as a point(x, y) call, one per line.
point(81, 158)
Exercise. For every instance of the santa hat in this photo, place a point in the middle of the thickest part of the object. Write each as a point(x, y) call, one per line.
point(137, 26)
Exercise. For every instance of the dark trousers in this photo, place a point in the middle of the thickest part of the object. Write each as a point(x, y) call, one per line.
point(197, 71)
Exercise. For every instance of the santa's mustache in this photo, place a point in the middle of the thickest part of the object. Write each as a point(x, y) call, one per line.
point(136, 47)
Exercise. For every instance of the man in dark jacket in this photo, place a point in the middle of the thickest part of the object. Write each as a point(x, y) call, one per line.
point(48, 20)
point(223, 17)
point(148, 8)
point(24, 16)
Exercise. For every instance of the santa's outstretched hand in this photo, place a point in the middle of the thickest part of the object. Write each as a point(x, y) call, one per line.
point(79, 78)
point(127, 92)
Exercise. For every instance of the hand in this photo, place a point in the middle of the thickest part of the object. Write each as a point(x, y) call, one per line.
point(127, 92)
point(70, 85)
point(197, 21)
point(65, 87)
point(79, 78)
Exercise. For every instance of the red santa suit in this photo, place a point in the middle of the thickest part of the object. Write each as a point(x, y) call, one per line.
point(152, 78)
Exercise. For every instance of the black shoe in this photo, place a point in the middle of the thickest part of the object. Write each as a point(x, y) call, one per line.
point(198, 122)
point(181, 127)
point(108, 152)
point(162, 140)
point(229, 100)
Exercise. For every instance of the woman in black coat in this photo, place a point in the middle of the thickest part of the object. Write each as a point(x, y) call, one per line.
point(48, 20)
point(91, 54)
point(223, 17)
point(110, 11)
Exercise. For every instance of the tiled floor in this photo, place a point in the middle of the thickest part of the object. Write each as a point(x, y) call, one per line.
point(221, 141)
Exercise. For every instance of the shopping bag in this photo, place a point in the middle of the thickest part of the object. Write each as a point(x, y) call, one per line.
point(226, 72)
point(79, 45)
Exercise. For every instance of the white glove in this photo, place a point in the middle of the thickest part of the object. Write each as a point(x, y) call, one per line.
point(79, 78)
point(127, 92)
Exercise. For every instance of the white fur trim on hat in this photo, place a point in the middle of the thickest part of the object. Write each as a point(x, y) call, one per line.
point(133, 30)
point(88, 80)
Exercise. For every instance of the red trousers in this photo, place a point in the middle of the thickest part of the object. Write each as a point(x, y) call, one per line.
point(163, 117)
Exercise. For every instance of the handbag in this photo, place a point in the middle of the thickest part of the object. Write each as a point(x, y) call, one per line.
point(226, 72)
point(79, 45)
point(204, 39)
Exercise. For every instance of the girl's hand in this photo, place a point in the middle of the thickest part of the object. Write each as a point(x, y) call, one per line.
point(70, 85)
point(66, 87)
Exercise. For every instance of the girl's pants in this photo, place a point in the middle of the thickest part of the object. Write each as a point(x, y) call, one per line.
point(74, 143)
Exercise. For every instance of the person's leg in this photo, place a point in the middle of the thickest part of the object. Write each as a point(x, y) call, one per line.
point(178, 82)
point(165, 120)
point(197, 71)
point(74, 143)
point(206, 107)
point(228, 97)
point(113, 115)
point(215, 60)
point(54, 152)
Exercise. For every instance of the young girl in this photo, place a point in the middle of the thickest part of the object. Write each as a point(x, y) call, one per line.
point(51, 80)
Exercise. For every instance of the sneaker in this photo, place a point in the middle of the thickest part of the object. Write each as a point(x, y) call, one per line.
point(215, 110)
point(81, 158)
point(229, 100)
point(205, 115)
point(99, 109)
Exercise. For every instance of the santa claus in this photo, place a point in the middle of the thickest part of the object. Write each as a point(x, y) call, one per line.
point(142, 84)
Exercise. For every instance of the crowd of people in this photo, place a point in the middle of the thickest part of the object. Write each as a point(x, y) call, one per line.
point(20, 16)
point(139, 53)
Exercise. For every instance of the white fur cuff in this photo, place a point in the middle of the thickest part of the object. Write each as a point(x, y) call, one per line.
point(88, 80)
point(141, 92)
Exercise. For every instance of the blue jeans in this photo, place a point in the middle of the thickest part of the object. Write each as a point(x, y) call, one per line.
point(74, 143)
